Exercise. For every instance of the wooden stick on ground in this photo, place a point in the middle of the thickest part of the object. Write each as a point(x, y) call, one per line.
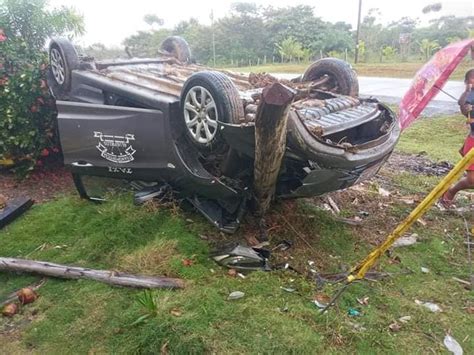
point(270, 142)
point(72, 272)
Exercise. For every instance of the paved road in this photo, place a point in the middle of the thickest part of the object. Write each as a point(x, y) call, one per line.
point(391, 90)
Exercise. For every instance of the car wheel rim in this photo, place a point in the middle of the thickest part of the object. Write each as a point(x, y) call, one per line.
point(200, 114)
point(57, 66)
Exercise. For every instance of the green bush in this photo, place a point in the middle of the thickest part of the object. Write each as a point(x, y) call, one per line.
point(27, 111)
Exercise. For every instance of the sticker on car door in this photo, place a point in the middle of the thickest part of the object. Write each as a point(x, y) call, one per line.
point(116, 149)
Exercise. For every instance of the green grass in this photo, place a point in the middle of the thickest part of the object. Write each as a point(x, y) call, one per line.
point(439, 137)
point(389, 70)
point(85, 316)
point(81, 316)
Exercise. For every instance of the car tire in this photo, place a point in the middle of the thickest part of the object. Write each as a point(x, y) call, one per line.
point(222, 104)
point(343, 77)
point(178, 48)
point(63, 60)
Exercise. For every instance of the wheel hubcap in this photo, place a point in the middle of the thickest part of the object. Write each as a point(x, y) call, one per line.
point(200, 114)
point(57, 66)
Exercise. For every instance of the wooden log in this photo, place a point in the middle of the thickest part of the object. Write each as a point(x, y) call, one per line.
point(73, 272)
point(270, 142)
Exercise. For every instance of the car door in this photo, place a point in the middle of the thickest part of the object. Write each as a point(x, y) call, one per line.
point(114, 140)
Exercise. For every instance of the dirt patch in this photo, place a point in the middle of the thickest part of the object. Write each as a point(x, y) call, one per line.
point(41, 185)
point(418, 164)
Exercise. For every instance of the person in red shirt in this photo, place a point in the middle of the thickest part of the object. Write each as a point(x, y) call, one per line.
point(466, 103)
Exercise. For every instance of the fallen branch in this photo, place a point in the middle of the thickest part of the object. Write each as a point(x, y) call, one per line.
point(72, 272)
point(464, 282)
point(333, 205)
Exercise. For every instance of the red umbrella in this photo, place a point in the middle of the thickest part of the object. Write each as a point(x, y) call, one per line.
point(430, 79)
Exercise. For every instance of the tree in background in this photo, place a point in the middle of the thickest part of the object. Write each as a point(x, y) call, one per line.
point(100, 51)
point(153, 20)
point(289, 49)
point(147, 43)
point(27, 112)
point(198, 36)
point(388, 53)
point(249, 34)
point(427, 48)
point(242, 35)
point(370, 31)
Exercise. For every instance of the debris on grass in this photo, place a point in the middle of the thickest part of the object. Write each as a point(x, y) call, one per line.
point(395, 327)
point(404, 319)
point(319, 304)
point(452, 345)
point(358, 327)
point(14, 209)
point(352, 312)
point(321, 300)
point(240, 257)
point(422, 222)
point(363, 301)
point(288, 289)
point(16, 295)
point(235, 295)
point(407, 200)
point(283, 245)
point(383, 192)
point(187, 262)
point(464, 282)
point(10, 310)
point(425, 270)
point(334, 207)
point(433, 307)
point(405, 241)
point(232, 272)
point(176, 312)
point(26, 295)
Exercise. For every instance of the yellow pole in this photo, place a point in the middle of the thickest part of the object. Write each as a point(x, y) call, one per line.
point(358, 272)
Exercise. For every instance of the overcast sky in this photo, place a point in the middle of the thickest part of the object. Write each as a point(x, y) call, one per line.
point(109, 21)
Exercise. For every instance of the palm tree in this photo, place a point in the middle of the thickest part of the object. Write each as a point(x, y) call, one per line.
point(427, 47)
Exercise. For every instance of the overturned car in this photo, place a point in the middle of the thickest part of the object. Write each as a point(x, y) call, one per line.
point(167, 121)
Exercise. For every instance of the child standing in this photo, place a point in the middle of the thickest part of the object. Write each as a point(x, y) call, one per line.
point(466, 102)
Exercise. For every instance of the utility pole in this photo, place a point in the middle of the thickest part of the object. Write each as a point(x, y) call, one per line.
point(356, 58)
point(213, 39)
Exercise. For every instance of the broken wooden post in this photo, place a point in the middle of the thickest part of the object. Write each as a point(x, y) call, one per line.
point(72, 272)
point(270, 141)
